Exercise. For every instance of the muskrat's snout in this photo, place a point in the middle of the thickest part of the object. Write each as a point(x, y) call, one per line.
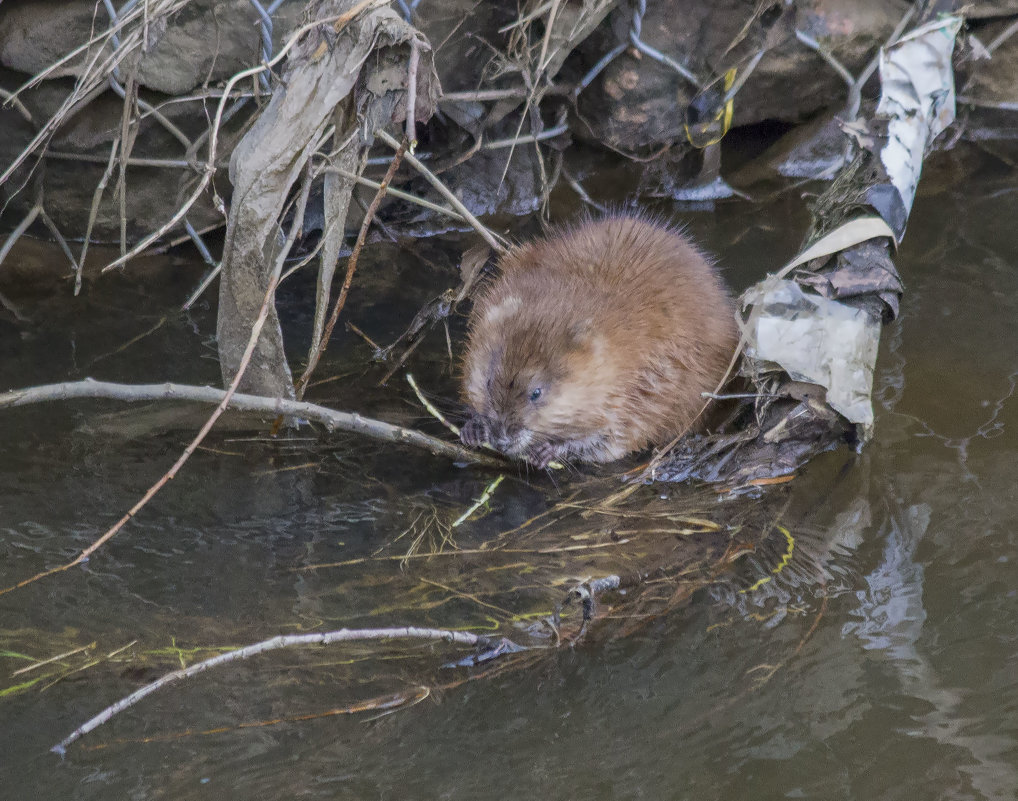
point(480, 430)
point(517, 442)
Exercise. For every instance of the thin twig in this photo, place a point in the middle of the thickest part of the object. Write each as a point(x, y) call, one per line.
point(827, 56)
point(429, 405)
point(549, 133)
point(93, 213)
point(454, 201)
point(22, 226)
point(483, 95)
point(134, 161)
point(411, 94)
point(519, 23)
point(542, 60)
point(577, 187)
point(150, 110)
point(374, 345)
point(481, 501)
point(351, 267)
point(1002, 37)
point(360, 560)
point(128, 135)
point(398, 193)
point(283, 641)
point(10, 98)
point(52, 659)
point(205, 282)
point(58, 236)
point(132, 341)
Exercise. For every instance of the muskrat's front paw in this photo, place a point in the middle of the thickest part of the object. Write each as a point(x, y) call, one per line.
point(474, 432)
point(542, 455)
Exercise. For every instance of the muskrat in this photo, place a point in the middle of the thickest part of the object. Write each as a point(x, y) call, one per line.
point(596, 341)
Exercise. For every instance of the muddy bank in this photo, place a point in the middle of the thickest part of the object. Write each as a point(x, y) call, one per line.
point(612, 75)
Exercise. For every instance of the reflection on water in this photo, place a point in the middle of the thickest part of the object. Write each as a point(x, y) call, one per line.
point(879, 663)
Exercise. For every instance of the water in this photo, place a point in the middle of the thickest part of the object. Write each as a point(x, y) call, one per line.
point(895, 675)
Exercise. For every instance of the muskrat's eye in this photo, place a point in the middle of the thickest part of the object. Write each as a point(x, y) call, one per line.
point(535, 394)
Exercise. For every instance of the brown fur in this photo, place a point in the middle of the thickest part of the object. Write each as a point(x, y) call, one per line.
point(621, 323)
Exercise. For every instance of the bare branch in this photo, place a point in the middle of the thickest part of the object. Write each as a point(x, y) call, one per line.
point(397, 193)
point(282, 641)
point(454, 201)
point(20, 229)
point(333, 420)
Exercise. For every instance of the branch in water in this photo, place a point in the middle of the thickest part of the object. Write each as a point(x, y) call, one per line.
point(331, 419)
point(486, 649)
point(282, 641)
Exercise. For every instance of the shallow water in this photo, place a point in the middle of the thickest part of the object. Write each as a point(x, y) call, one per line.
point(895, 678)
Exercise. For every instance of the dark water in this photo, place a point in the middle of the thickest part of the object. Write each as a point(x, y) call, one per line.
point(897, 681)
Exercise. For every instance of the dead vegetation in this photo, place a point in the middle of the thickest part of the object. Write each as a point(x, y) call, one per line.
point(578, 569)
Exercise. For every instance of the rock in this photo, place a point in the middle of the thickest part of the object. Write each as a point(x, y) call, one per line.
point(206, 41)
point(464, 33)
point(77, 158)
point(638, 103)
point(34, 36)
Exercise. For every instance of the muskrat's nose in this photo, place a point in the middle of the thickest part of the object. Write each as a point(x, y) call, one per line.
point(499, 433)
